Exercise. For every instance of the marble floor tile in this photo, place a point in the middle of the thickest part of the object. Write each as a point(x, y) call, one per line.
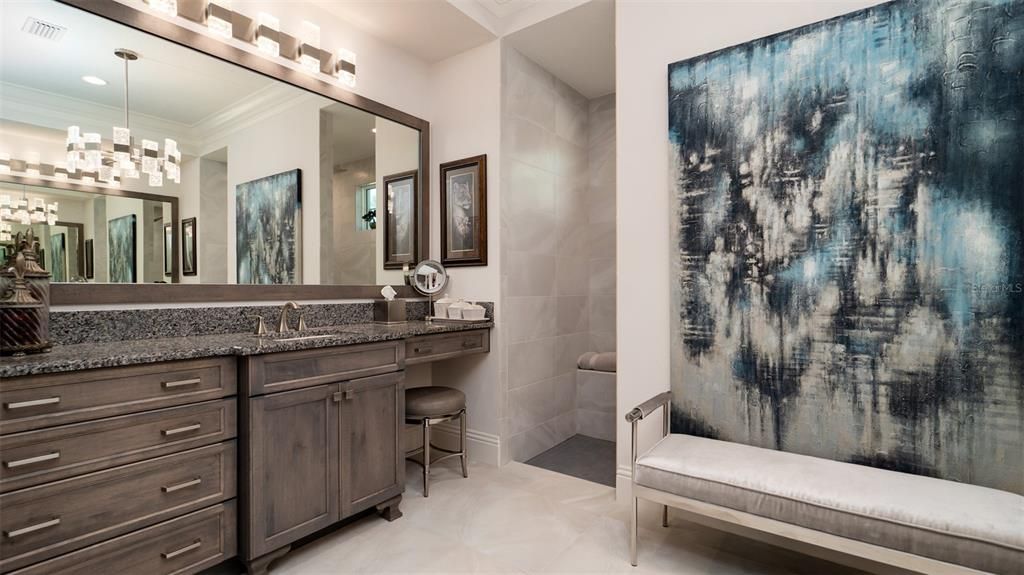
point(524, 519)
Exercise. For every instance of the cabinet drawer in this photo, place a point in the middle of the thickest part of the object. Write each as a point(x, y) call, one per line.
point(45, 521)
point(183, 545)
point(447, 345)
point(35, 457)
point(46, 400)
point(296, 369)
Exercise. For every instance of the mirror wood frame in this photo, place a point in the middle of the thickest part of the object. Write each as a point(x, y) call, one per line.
point(99, 293)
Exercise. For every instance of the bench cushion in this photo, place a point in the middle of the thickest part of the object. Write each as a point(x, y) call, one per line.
point(957, 523)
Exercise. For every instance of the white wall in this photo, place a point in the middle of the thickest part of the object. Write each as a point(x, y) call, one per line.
point(464, 98)
point(649, 36)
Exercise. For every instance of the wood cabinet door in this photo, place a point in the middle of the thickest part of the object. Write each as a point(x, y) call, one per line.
point(292, 466)
point(372, 460)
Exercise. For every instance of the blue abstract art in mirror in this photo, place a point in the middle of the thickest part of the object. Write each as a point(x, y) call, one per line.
point(266, 223)
point(58, 258)
point(121, 249)
point(848, 266)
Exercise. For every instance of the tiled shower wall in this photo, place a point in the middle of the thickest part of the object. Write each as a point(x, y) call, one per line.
point(548, 256)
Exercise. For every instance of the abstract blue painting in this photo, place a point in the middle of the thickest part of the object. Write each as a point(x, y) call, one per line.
point(266, 223)
point(848, 214)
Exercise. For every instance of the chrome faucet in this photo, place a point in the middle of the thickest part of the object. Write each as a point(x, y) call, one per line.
point(282, 321)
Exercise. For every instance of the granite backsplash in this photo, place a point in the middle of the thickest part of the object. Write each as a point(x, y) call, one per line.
point(100, 326)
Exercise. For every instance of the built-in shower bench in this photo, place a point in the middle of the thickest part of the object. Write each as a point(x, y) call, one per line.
point(869, 518)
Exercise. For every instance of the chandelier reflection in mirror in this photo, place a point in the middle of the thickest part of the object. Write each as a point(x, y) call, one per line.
point(85, 151)
point(25, 211)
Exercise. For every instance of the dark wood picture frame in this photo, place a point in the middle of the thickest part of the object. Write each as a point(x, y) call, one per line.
point(168, 249)
point(391, 259)
point(90, 271)
point(477, 255)
point(189, 247)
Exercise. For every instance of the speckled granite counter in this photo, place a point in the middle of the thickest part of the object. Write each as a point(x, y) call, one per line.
point(119, 353)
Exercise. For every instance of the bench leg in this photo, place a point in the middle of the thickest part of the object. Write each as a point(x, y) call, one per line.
point(664, 515)
point(632, 533)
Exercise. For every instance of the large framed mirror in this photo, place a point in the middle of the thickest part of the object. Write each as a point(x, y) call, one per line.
point(174, 158)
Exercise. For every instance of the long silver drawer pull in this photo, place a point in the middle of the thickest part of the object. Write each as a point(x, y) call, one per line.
point(187, 484)
point(469, 343)
point(423, 349)
point(184, 429)
point(32, 403)
point(33, 528)
point(195, 545)
point(31, 460)
point(182, 382)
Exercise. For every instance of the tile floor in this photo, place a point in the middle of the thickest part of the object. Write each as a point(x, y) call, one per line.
point(524, 519)
point(581, 456)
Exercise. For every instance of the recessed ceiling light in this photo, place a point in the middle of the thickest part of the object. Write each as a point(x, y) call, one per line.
point(374, 130)
point(94, 80)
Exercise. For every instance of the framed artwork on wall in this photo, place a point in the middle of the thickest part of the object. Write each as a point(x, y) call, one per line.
point(188, 247)
point(464, 212)
point(266, 229)
point(58, 258)
point(400, 191)
point(847, 239)
point(121, 249)
point(168, 249)
point(90, 272)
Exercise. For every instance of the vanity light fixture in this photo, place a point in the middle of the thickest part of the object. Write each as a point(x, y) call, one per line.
point(94, 80)
point(168, 7)
point(218, 18)
point(346, 67)
point(85, 150)
point(268, 38)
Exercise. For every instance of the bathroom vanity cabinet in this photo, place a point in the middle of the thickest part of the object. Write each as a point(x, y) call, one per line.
point(174, 466)
point(325, 448)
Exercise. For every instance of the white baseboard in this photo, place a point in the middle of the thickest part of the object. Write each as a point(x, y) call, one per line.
point(483, 447)
point(623, 482)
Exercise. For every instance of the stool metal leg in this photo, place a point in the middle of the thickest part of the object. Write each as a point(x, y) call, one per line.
point(462, 442)
point(426, 456)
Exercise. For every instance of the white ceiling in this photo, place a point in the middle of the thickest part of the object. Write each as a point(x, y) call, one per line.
point(577, 46)
point(432, 30)
point(201, 86)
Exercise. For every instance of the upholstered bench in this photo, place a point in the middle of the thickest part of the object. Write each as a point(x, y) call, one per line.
point(866, 517)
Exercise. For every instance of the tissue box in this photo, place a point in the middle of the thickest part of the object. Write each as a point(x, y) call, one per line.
point(385, 311)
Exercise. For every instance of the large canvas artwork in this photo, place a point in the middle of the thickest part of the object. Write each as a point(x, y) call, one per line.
point(266, 222)
point(121, 249)
point(847, 240)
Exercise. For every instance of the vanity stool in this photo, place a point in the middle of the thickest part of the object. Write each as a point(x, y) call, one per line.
point(428, 406)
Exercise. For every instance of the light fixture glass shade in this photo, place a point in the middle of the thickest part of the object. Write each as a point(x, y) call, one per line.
point(346, 67)
point(168, 7)
point(5, 163)
point(93, 155)
point(218, 18)
point(266, 34)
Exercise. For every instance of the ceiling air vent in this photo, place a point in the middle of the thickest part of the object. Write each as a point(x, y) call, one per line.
point(42, 29)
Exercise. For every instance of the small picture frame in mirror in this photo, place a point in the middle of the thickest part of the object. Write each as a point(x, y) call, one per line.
point(188, 247)
point(168, 249)
point(400, 209)
point(464, 212)
point(90, 272)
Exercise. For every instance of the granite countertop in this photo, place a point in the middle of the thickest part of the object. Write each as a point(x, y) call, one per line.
point(120, 353)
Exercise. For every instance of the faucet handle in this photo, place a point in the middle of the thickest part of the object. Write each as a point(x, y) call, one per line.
point(302, 321)
point(261, 327)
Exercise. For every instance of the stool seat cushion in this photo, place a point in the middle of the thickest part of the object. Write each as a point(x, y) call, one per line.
point(433, 401)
